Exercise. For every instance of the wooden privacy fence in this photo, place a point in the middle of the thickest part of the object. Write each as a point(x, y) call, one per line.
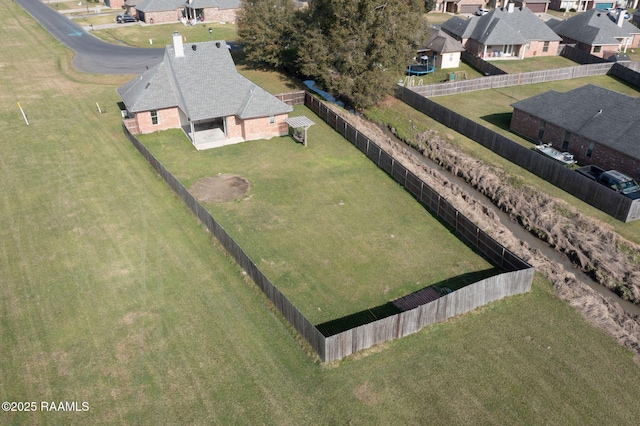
point(591, 192)
point(292, 98)
point(516, 279)
point(302, 325)
point(508, 80)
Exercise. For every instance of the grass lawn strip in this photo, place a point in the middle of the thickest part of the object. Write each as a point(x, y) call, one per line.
point(333, 232)
point(113, 294)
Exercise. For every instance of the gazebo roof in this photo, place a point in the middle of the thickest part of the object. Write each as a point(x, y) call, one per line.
point(300, 121)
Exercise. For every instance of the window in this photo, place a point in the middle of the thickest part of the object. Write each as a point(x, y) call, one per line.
point(272, 119)
point(541, 130)
point(545, 47)
point(590, 150)
point(154, 116)
point(565, 142)
point(596, 49)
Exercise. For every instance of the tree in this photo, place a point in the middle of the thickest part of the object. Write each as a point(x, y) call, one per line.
point(356, 49)
point(429, 5)
point(266, 31)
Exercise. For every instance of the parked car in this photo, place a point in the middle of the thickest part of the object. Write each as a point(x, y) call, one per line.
point(482, 11)
point(121, 19)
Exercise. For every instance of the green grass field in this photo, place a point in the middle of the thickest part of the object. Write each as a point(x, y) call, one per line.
point(331, 230)
point(112, 293)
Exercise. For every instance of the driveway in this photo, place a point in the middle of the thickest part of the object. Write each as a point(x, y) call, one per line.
point(92, 54)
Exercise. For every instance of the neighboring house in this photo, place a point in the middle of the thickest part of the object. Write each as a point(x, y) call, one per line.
point(196, 88)
point(596, 125)
point(130, 7)
point(458, 6)
point(536, 6)
point(157, 11)
point(597, 32)
point(584, 5)
point(114, 4)
point(442, 50)
point(508, 32)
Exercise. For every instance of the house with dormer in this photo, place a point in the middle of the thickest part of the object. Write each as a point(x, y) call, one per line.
point(197, 88)
point(598, 32)
point(509, 32)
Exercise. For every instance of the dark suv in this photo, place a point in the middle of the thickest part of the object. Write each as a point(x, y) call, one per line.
point(121, 19)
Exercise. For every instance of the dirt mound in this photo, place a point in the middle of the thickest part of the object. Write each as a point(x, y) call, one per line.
point(591, 245)
point(220, 188)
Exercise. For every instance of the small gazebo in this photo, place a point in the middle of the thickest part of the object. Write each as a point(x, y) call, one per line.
point(300, 122)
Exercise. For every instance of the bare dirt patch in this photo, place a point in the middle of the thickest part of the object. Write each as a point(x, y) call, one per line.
point(220, 188)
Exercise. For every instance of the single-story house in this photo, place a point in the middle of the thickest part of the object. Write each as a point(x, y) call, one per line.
point(157, 11)
point(598, 126)
point(536, 6)
point(442, 50)
point(197, 88)
point(458, 6)
point(584, 5)
point(597, 32)
point(504, 33)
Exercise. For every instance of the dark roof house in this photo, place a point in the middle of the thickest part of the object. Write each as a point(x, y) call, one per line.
point(507, 32)
point(196, 87)
point(596, 125)
point(597, 32)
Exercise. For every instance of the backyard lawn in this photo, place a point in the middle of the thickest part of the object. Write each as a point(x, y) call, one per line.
point(112, 293)
point(515, 66)
point(332, 232)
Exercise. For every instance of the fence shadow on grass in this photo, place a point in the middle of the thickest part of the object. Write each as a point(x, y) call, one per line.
point(405, 303)
point(502, 120)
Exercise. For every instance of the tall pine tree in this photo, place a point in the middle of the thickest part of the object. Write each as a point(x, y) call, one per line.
point(266, 30)
point(356, 49)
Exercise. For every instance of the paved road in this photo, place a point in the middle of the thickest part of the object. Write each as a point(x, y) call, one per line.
point(92, 54)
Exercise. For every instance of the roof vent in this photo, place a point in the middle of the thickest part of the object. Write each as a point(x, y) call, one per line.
point(218, 44)
point(194, 47)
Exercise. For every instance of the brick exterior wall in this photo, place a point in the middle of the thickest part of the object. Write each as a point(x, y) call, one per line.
point(603, 156)
point(536, 48)
point(212, 14)
point(261, 128)
point(168, 118)
point(234, 127)
point(161, 17)
point(220, 15)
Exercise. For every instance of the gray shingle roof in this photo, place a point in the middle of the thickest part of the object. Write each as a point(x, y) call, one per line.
point(160, 5)
point(441, 42)
point(501, 27)
point(593, 27)
point(204, 84)
point(604, 116)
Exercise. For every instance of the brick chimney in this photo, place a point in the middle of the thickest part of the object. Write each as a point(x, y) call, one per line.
point(178, 48)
